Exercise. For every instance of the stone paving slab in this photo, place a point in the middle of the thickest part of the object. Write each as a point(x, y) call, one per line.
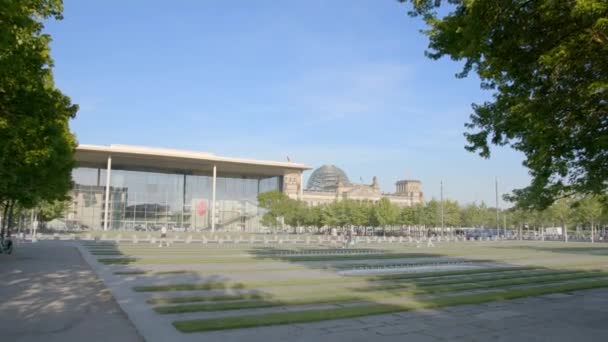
point(50, 294)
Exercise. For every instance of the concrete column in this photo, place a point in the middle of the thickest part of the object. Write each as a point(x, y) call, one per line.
point(213, 199)
point(107, 204)
point(301, 194)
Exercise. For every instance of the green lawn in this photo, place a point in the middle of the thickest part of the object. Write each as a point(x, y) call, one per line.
point(499, 270)
point(328, 297)
point(189, 326)
point(255, 258)
point(308, 281)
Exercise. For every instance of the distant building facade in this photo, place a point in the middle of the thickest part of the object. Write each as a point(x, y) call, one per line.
point(329, 183)
point(120, 187)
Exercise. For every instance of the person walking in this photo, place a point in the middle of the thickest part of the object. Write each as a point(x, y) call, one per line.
point(163, 236)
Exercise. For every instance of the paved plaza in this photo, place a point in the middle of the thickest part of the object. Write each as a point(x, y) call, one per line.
point(50, 292)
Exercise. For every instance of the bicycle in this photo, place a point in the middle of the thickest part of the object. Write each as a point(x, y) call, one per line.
point(6, 245)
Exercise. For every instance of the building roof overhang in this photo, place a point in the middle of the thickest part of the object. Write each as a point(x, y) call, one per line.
point(136, 157)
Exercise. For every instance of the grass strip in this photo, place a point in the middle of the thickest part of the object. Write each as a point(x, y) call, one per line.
point(254, 259)
point(397, 277)
point(506, 283)
point(499, 276)
point(153, 272)
point(250, 253)
point(450, 273)
point(152, 250)
point(471, 279)
point(190, 299)
point(175, 309)
point(189, 287)
point(172, 272)
point(374, 256)
point(131, 272)
point(117, 261)
point(324, 298)
point(281, 318)
point(213, 285)
point(472, 284)
point(306, 316)
point(207, 272)
point(312, 281)
point(401, 264)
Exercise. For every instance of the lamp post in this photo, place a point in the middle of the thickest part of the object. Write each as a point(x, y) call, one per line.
point(442, 227)
point(497, 209)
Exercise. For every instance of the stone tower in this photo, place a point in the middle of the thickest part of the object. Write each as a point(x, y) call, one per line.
point(375, 184)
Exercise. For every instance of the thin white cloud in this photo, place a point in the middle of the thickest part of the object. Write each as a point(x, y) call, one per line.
point(344, 92)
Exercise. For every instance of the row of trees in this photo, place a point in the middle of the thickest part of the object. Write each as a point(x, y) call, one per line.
point(36, 145)
point(584, 213)
point(587, 212)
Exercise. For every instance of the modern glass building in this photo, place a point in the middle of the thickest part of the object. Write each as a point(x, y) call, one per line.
point(122, 187)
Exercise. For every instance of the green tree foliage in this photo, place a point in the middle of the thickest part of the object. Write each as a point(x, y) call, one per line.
point(418, 214)
point(431, 216)
point(48, 211)
point(359, 213)
point(518, 219)
point(314, 217)
point(488, 215)
point(589, 211)
point(407, 216)
point(36, 145)
point(561, 210)
point(545, 61)
point(451, 213)
point(277, 205)
point(282, 210)
point(330, 215)
point(385, 213)
point(470, 215)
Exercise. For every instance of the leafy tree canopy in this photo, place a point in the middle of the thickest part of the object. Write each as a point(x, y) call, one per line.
point(50, 210)
point(385, 212)
point(546, 62)
point(36, 145)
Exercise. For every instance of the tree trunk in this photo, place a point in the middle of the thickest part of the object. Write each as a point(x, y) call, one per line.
point(592, 237)
point(542, 232)
point(520, 232)
point(565, 226)
point(4, 215)
point(9, 226)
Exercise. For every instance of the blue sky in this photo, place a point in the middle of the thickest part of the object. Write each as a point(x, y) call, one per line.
point(323, 82)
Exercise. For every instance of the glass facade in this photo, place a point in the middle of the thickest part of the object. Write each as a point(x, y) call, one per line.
point(86, 211)
point(147, 200)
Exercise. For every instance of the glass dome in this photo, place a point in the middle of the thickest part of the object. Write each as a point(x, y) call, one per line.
point(326, 178)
